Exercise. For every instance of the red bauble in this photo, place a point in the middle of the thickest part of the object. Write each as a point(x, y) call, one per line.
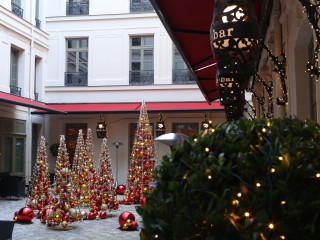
point(25, 214)
point(44, 213)
point(143, 201)
point(121, 189)
point(134, 225)
point(103, 214)
point(124, 216)
point(92, 215)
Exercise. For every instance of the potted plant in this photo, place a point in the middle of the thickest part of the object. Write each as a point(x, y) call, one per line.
point(54, 149)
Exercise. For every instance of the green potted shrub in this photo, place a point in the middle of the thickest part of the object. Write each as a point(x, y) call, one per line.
point(54, 149)
point(246, 180)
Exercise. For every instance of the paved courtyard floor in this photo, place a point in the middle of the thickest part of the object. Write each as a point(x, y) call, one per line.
point(88, 229)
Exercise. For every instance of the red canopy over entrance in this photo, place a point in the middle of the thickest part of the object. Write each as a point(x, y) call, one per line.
point(85, 108)
point(188, 24)
point(26, 102)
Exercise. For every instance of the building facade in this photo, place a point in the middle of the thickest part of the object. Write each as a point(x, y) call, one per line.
point(76, 55)
point(104, 52)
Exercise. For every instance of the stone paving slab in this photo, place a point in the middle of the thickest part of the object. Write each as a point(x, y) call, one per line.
point(88, 229)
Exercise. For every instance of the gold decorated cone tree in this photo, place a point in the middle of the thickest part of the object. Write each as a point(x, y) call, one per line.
point(63, 207)
point(90, 175)
point(84, 174)
point(77, 168)
point(40, 183)
point(142, 161)
point(106, 190)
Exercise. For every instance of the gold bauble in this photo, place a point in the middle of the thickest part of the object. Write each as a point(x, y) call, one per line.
point(67, 207)
point(86, 198)
point(125, 226)
point(129, 222)
point(57, 217)
point(50, 215)
point(84, 186)
point(73, 213)
point(104, 206)
point(43, 197)
point(83, 214)
point(64, 224)
point(34, 203)
point(64, 171)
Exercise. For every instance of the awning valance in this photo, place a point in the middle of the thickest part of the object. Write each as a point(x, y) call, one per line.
point(86, 108)
point(26, 102)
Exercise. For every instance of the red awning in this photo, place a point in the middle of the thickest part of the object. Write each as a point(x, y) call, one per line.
point(188, 24)
point(85, 108)
point(26, 102)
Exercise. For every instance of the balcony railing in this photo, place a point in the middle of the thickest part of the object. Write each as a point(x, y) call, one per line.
point(182, 76)
point(36, 96)
point(77, 8)
point(17, 10)
point(15, 90)
point(141, 77)
point(76, 79)
point(38, 23)
point(140, 6)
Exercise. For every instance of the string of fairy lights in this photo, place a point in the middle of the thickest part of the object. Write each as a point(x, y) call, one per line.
point(279, 67)
point(311, 8)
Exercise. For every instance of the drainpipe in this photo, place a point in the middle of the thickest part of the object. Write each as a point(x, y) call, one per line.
point(29, 136)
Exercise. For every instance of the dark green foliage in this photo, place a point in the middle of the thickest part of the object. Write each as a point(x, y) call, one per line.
point(282, 155)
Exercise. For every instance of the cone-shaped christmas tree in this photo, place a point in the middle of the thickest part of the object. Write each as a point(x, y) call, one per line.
point(40, 183)
point(106, 190)
point(89, 175)
point(85, 175)
point(142, 161)
point(77, 175)
point(63, 207)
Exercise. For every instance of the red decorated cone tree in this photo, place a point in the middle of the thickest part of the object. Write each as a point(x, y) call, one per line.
point(142, 161)
point(63, 207)
point(106, 190)
point(40, 182)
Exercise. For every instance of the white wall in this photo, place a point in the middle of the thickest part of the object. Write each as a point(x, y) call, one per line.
point(118, 131)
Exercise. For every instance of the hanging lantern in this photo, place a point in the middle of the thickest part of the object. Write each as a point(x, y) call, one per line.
point(205, 125)
point(235, 44)
point(160, 127)
point(101, 128)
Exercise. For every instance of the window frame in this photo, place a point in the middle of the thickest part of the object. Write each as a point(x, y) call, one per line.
point(77, 50)
point(142, 49)
point(14, 64)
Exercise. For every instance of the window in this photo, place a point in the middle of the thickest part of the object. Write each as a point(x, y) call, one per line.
point(12, 145)
point(37, 80)
point(37, 18)
point(16, 8)
point(180, 73)
point(77, 7)
point(139, 6)
point(14, 59)
point(77, 62)
point(141, 52)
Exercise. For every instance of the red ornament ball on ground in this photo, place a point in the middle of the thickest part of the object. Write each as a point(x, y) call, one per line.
point(121, 189)
point(103, 215)
point(124, 217)
point(25, 214)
